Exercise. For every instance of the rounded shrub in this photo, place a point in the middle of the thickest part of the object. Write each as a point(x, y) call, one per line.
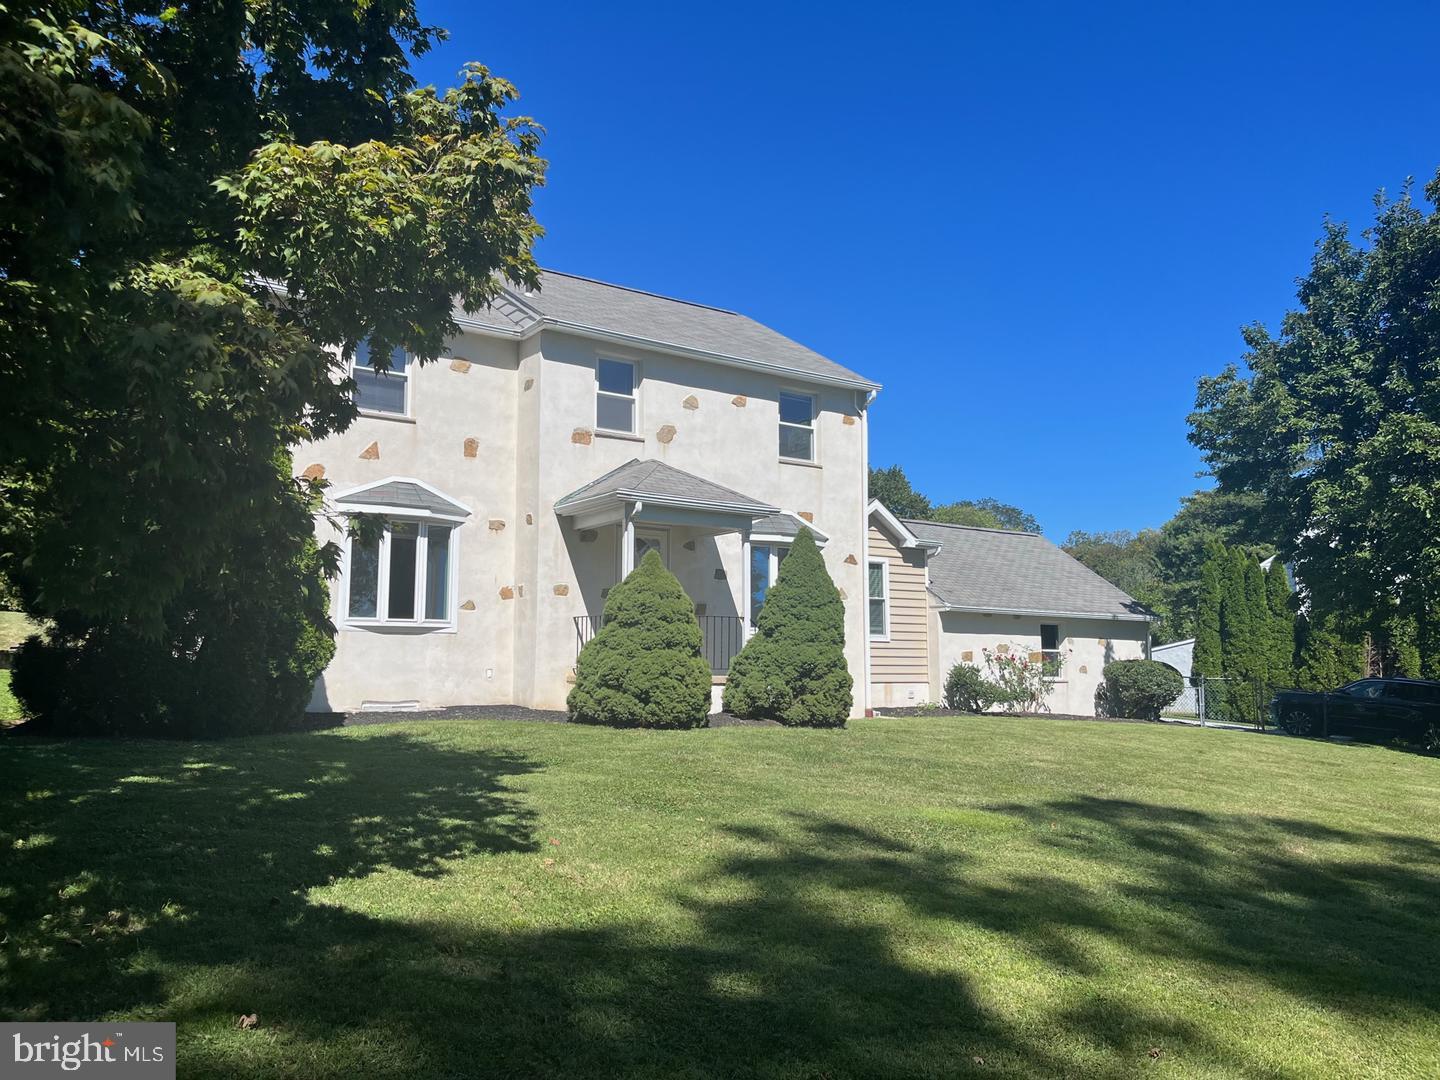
point(793, 669)
point(968, 690)
point(644, 668)
point(1140, 688)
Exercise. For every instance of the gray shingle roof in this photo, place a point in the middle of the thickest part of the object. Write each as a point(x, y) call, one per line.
point(403, 494)
point(784, 525)
point(596, 305)
point(661, 483)
point(995, 570)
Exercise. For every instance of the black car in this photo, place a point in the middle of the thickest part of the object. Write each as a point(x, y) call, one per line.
point(1375, 710)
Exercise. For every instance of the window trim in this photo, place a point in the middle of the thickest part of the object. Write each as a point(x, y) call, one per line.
point(403, 377)
point(381, 621)
point(811, 426)
point(772, 571)
point(884, 597)
point(633, 397)
point(1058, 652)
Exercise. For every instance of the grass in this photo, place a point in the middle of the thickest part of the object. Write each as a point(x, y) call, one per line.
point(906, 898)
point(15, 628)
point(9, 707)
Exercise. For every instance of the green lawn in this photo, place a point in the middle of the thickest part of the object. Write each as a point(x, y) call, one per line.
point(920, 897)
point(14, 628)
point(9, 707)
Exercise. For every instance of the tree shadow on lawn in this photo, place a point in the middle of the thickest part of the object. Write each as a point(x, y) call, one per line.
point(807, 947)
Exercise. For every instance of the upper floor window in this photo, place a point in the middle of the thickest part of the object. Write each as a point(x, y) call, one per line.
point(1050, 648)
point(615, 396)
point(402, 575)
point(879, 595)
point(797, 426)
point(381, 392)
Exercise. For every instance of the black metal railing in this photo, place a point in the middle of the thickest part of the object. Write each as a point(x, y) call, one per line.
point(721, 638)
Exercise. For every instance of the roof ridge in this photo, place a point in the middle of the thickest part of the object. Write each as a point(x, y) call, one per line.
point(640, 292)
point(972, 528)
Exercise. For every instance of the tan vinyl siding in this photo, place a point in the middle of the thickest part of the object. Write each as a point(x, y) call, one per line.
point(905, 658)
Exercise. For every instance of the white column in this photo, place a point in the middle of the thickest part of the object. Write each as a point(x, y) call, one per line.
point(627, 543)
point(745, 584)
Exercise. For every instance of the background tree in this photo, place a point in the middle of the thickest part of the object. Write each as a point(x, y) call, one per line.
point(1205, 657)
point(793, 669)
point(1129, 561)
point(1337, 423)
point(892, 487)
point(644, 668)
point(165, 161)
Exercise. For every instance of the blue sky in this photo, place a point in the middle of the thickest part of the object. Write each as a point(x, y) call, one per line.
point(1036, 225)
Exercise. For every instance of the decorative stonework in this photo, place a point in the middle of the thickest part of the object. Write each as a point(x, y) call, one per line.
point(529, 519)
point(692, 403)
point(1002, 649)
point(1102, 642)
point(689, 545)
point(314, 472)
point(739, 401)
point(719, 573)
point(468, 605)
point(848, 421)
point(666, 434)
point(371, 452)
point(561, 590)
point(808, 516)
point(472, 447)
point(1037, 658)
point(1084, 670)
point(496, 525)
point(850, 560)
point(507, 593)
point(967, 655)
point(582, 436)
point(529, 384)
point(461, 367)
point(587, 536)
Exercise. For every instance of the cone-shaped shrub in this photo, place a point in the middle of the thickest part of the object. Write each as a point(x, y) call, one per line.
point(644, 669)
point(793, 670)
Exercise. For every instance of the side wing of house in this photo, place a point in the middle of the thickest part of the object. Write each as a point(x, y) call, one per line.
point(897, 613)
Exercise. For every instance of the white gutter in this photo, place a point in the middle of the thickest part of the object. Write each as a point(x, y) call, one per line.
point(1103, 615)
point(867, 702)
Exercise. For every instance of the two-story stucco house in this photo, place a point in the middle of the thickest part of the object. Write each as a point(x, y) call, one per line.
point(565, 433)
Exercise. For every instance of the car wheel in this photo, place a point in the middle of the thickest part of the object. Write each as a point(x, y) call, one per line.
point(1298, 721)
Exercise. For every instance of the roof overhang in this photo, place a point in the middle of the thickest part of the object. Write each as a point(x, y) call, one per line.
point(1110, 616)
point(388, 498)
point(899, 532)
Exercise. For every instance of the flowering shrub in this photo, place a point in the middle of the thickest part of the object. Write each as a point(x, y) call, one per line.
point(1022, 683)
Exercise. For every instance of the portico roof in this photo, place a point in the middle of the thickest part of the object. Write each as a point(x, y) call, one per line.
point(655, 483)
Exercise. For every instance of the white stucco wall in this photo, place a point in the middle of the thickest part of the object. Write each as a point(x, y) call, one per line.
point(531, 407)
point(1086, 646)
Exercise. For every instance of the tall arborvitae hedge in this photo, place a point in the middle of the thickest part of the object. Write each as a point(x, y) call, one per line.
point(793, 670)
point(644, 669)
point(1282, 626)
point(1206, 656)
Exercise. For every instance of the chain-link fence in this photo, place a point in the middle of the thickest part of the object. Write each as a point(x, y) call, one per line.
point(1210, 700)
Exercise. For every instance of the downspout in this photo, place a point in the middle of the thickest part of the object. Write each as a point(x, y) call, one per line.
point(866, 703)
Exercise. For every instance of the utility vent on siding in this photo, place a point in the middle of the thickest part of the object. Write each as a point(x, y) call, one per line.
point(389, 706)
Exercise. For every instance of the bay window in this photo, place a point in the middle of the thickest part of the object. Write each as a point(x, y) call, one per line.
point(402, 575)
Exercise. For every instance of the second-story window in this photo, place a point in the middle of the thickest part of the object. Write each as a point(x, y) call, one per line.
point(381, 391)
point(615, 396)
point(797, 426)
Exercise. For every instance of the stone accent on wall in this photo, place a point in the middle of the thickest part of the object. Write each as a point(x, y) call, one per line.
point(529, 519)
point(461, 367)
point(1037, 658)
point(472, 447)
point(529, 384)
point(561, 590)
point(967, 655)
point(468, 605)
point(1102, 642)
point(848, 420)
point(689, 545)
point(314, 472)
point(808, 516)
point(841, 592)
point(507, 593)
point(692, 403)
point(371, 452)
point(1002, 649)
point(582, 436)
point(666, 434)
point(719, 573)
point(739, 401)
point(496, 525)
point(587, 536)
point(1084, 670)
point(850, 560)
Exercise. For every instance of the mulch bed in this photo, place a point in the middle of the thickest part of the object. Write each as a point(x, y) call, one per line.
point(317, 721)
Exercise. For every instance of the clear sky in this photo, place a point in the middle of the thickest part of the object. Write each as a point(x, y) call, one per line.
point(1035, 224)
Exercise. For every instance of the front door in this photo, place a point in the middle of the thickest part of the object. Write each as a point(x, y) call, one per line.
point(652, 540)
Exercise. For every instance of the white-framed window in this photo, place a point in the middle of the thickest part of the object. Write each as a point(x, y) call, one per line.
point(765, 560)
point(386, 392)
point(878, 592)
point(404, 575)
point(615, 395)
point(1050, 648)
point(797, 426)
